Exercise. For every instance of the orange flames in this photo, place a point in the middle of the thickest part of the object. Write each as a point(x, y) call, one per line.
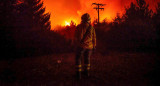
point(67, 23)
point(63, 11)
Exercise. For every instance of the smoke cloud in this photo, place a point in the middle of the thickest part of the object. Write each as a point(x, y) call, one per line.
point(67, 10)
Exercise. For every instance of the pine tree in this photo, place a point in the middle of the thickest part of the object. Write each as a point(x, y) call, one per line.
point(140, 11)
point(138, 19)
point(34, 15)
point(130, 12)
point(143, 9)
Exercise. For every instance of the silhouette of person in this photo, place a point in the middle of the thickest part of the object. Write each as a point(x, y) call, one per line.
point(85, 40)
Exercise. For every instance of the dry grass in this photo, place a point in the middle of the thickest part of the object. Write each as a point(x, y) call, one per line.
point(112, 69)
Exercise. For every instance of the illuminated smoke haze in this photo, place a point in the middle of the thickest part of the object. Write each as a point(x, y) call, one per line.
point(66, 10)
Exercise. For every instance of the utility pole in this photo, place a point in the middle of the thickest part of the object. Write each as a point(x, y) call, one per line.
point(99, 6)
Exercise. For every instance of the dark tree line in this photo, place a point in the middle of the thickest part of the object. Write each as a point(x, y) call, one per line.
point(25, 29)
point(27, 14)
point(32, 14)
point(137, 29)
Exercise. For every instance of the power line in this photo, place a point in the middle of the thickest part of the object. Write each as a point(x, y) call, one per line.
point(99, 7)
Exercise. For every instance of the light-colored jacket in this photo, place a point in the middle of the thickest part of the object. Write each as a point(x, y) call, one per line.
point(89, 41)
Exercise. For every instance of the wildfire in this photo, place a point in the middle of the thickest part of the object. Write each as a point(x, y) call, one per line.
point(67, 23)
point(63, 11)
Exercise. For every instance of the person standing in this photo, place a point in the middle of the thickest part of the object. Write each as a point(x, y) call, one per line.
point(85, 40)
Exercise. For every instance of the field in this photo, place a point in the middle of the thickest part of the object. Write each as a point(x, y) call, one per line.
point(110, 69)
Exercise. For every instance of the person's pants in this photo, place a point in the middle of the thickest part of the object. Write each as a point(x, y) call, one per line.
point(86, 53)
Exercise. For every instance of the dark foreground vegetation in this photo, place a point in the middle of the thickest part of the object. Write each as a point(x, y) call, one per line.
point(113, 69)
point(25, 30)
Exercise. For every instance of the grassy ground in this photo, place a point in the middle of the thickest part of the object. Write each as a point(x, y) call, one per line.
point(111, 69)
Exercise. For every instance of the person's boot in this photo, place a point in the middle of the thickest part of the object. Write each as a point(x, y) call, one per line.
point(78, 75)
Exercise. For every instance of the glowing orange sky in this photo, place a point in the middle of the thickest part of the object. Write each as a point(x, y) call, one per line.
point(63, 11)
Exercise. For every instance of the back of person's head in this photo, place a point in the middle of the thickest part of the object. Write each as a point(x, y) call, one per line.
point(85, 18)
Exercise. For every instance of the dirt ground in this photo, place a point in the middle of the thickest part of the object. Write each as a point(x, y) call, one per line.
point(111, 69)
